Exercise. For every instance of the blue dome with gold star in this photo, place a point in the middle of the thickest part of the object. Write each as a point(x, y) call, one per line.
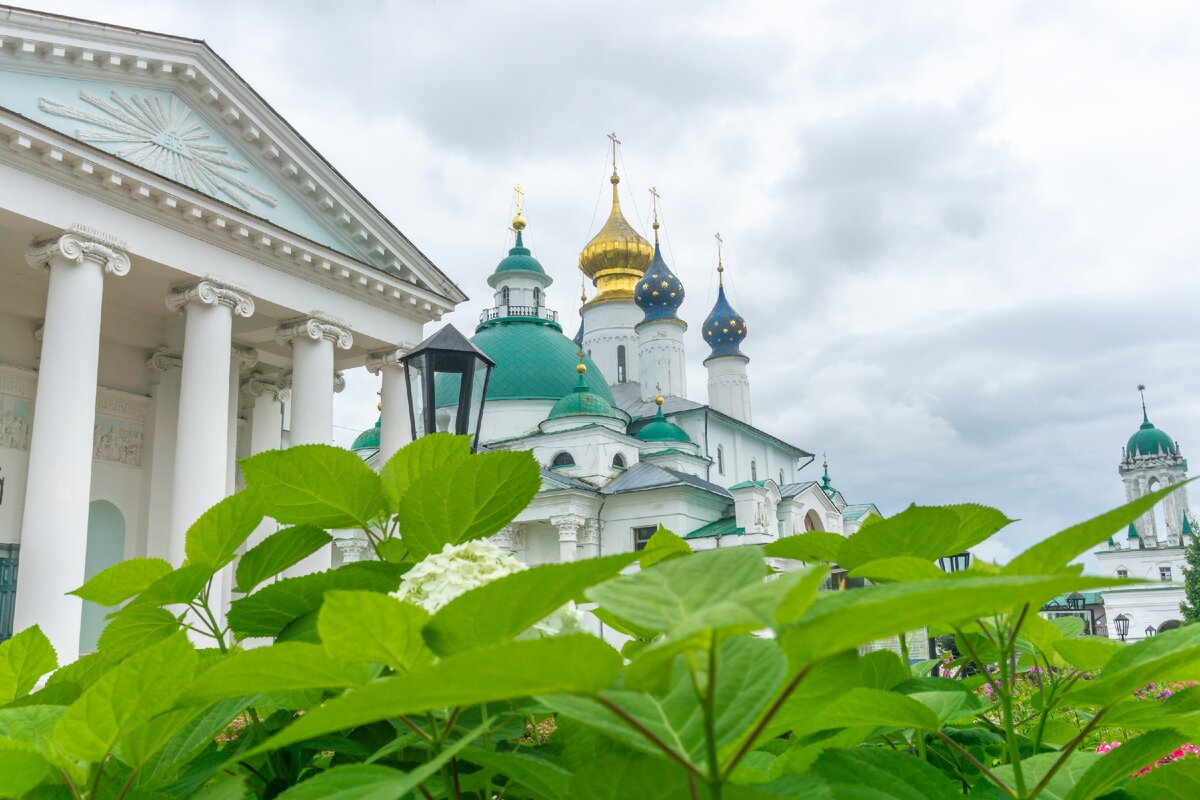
point(724, 329)
point(659, 293)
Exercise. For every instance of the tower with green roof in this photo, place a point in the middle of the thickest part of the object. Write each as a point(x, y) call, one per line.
point(1151, 460)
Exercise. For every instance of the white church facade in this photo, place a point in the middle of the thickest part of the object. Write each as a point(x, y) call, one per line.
point(182, 277)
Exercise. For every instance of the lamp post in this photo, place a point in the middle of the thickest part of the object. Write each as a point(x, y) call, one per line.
point(1122, 623)
point(1075, 601)
point(1150, 631)
point(447, 369)
point(954, 563)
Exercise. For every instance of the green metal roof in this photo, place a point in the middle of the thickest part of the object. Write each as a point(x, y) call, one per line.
point(659, 430)
point(855, 511)
point(533, 362)
point(519, 259)
point(748, 484)
point(670, 451)
point(722, 527)
point(368, 439)
point(1150, 441)
point(1133, 534)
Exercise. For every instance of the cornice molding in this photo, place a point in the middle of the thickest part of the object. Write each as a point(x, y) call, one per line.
point(316, 326)
point(77, 244)
point(213, 292)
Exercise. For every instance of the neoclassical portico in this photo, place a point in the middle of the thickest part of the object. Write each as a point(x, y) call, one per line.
point(185, 323)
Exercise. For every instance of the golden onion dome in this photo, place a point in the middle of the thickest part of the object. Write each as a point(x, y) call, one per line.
point(616, 257)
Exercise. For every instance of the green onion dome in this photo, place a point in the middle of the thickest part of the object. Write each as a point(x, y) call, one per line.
point(659, 430)
point(519, 258)
point(368, 439)
point(1150, 441)
point(582, 401)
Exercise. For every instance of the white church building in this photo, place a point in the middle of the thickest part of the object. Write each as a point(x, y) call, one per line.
point(181, 279)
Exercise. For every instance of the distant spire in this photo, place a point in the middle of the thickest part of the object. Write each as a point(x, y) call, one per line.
point(1142, 392)
point(720, 261)
point(615, 179)
point(654, 205)
point(518, 222)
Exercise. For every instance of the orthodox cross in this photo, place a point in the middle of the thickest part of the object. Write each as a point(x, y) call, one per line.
point(654, 204)
point(520, 197)
point(615, 142)
point(720, 262)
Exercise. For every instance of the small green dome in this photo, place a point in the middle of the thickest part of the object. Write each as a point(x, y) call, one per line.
point(519, 259)
point(368, 439)
point(582, 402)
point(1150, 441)
point(659, 430)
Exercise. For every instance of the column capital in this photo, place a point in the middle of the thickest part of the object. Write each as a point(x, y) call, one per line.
point(213, 292)
point(316, 326)
point(164, 359)
point(590, 534)
point(387, 357)
point(354, 549)
point(568, 525)
point(259, 384)
point(77, 244)
point(509, 538)
point(248, 356)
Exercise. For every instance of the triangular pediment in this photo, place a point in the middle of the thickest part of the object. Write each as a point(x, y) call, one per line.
point(172, 107)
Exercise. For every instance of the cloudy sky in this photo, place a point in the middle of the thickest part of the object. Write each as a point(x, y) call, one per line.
point(961, 233)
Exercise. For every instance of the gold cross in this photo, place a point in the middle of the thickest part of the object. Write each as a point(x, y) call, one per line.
point(520, 196)
point(615, 142)
point(720, 262)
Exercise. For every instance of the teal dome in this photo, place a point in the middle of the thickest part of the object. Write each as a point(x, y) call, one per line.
point(582, 402)
point(519, 259)
point(534, 361)
point(368, 439)
point(659, 430)
point(1150, 441)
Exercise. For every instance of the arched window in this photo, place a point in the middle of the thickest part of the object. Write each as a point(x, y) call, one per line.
point(720, 459)
point(537, 297)
point(504, 296)
point(620, 363)
point(753, 470)
point(618, 461)
point(812, 522)
point(562, 459)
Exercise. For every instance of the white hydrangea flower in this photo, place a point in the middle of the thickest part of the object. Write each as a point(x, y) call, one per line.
point(441, 577)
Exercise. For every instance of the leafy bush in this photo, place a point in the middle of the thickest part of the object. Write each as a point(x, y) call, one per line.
point(739, 680)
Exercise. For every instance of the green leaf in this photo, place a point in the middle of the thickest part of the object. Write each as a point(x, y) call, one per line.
point(663, 546)
point(1057, 551)
point(1179, 780)
point(315, 484)
point(750, 671)
point(659, 597)
point(122, 580)
point(23, 659)
point(280, 667)
point(630, 777)
point(273, 607)
point(900, 568)
point(467, 499)
point(872, 772)
point(140, 687)
point(545, 779)
point(181, 748)
point(924, 532)
point(871, 708)
point(1088, 654)
point(138, 745)
point(370, 782)
point(1119, 764)
point(573, 663)
point(1171, 654)
point(21, 768)
point(508, 606)
point(215, 538)
point(417, 459)
point(374, 627)
point(1034, 768)
point(30, 724)
point(179, 586)
point(841, 620)
point(276, 553)
point(134, 629)
point(811, 546)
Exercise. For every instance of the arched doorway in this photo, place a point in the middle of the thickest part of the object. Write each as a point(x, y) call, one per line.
point(105, 547)
point(812, 521)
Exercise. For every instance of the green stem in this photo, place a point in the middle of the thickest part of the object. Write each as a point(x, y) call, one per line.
point(766, 719)
point(128, 783)
point(1067, 751)
point(710, 723)
point(991, 776)
point(487, 737)
point(904, 653)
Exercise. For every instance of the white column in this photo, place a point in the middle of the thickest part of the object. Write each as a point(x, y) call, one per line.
point(165, 365)
point(59, 478)
point(313, 339)
point(395, 426)
point(589, 539)
point(202, 443)
point(266, 419)
point(240, 356)
point(568, 526)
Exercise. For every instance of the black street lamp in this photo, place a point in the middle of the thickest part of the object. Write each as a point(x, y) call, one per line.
point(1122, 623)
point(954, 563)
point(1150, 631)
point(1075, 601)
point(447, 369)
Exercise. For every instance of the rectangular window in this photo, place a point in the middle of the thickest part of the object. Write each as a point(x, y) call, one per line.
point(642, 535)
point(1164, 574)
point(1122, 573)
point(8, 588)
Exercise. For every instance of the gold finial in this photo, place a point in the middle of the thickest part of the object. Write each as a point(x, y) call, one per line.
point(824, 461)
point(659, 400)
point(581, 367)
point(582, 288)
point(615, 141)
point(654, 204)
point(720, 262)
point(518, 223)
